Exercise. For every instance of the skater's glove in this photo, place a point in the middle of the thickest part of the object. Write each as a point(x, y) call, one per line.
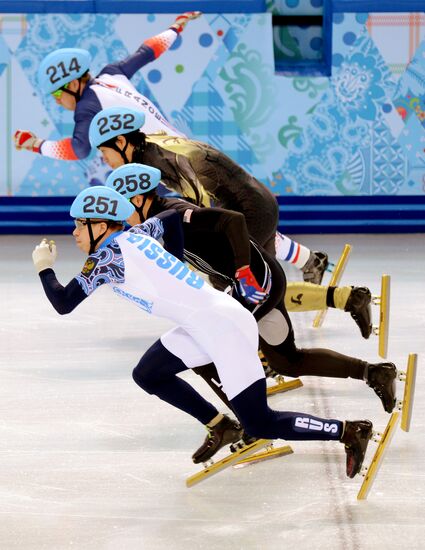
point(24, 139)
point(44, 255)
point(249, 287)
point(183, 19)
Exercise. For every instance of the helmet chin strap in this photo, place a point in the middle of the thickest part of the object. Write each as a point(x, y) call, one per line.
point(112, 145)
point(93, 241)
point(77, 94)
point(139, 209)
point(123, 151)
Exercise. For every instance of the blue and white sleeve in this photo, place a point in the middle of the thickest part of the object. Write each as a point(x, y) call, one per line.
point(105, 266)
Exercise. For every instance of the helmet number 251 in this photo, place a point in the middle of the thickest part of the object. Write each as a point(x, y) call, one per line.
point(100, 205)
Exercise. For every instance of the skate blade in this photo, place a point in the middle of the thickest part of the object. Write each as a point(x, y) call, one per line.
point(376, 462)
point(384, 316)
point(283, 386)
point(335, 279)
point(226, 462)
point(270, 453)
point(409, 379)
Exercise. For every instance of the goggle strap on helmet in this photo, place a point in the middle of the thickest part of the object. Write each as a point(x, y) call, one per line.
point(93, 241)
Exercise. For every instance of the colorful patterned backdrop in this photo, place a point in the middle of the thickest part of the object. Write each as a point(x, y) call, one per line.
point(360, 132)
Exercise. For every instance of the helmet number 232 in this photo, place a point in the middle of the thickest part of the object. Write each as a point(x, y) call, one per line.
point(116, 122)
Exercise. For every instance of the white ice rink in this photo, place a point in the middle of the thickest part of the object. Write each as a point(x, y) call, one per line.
point(90, 461)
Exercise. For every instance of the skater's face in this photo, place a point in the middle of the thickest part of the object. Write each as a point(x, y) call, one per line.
point(112, 157)
point(66, 100)
point(82, 236)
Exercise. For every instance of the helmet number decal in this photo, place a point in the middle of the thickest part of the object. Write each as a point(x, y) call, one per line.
point(100, 205)
point(59, 71)
point(132, 182)
point(115, 122)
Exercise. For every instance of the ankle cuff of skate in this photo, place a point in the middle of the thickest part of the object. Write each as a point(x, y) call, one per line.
point(330, 296)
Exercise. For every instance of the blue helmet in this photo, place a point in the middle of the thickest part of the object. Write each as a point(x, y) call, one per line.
point(113, 122)
point(100, 202)
point(133, 179)
point(60, 67)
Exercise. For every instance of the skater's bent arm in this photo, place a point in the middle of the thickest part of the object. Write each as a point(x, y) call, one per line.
point(101, 267)
point(231, 224)
point(63, 299)
point(78, 147)
point(150, 50)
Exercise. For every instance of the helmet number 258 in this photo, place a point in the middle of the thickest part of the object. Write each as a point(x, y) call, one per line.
point(132, 182)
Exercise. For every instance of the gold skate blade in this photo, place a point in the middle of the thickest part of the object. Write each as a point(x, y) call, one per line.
point(384, 316)
point(337, 273)
point(409, 392)
point(378, 457)
point(268, 454)
point(283, 386)
point(227, 461)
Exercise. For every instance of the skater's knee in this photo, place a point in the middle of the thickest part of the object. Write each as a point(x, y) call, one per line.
point(274, 328)
point(157, 366)
point(145, 377)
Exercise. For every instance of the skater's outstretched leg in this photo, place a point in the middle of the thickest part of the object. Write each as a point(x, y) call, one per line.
point(309, 297)
point(260, 421)
point(277, 342)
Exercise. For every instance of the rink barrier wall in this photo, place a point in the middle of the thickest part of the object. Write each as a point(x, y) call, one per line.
point(206, 6)
point(300, 215)
point(132, 6)
point(377, 214)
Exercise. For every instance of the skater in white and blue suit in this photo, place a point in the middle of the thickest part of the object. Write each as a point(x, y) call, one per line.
point(212, 326)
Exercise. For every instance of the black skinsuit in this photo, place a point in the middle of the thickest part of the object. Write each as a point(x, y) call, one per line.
point(219, 238)
point(208, 177)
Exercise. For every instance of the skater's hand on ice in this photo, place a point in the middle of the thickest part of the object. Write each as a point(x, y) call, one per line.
point(249, 287)
point(183, 19)
point(44, 255)
point(24, 139)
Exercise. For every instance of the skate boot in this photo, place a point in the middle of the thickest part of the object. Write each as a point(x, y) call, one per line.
point(224, 432)
point(381, 378)
point(315, 267)
point(356, 438)
point(358, 305)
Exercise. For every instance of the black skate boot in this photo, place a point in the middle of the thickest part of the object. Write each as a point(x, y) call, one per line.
point(315, 267)
point(224, 432)
point(356, 439)
point(358, 305)
point(381, 378)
